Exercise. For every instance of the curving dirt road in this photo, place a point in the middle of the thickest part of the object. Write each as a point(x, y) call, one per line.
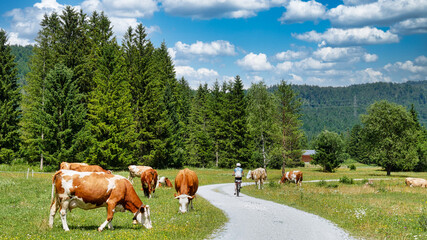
point(252, 218)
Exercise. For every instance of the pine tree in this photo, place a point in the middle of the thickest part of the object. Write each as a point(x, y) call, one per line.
point(217, 114)
point(200, 143)
point(110, 112)
point(9, 103)
point(290, 107)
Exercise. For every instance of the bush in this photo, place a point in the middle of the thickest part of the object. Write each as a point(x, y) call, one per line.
point(352, 167)
point(346, 180)
point(321, 183)
point(273, 184)
point(6, 155)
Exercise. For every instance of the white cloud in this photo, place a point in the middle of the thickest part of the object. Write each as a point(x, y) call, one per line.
point(299, 11)
point(255, 62)
point(196, 77)
point(378, 13)
point(349, 37)
point(120, 25)
point(291, 55)
point(214, 48)
point(421, 60)
point(284, 66)
point(369, 75)
point(13, 39)
point(370, 57)
point(344, 54)
point(208, 9)
point(410, 26)
point(295, 78)
point(122, 8)
point(357, 2)
point(313, 64)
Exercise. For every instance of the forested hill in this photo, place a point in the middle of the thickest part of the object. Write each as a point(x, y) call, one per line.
point(333, 108)
point(338, 108)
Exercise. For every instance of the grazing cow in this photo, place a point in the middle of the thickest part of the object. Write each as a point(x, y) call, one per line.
point(186, 184)
point(165, 181)
point(89, 190)
point(136, 171)
point(416, 182)
point(149, 181)
point(71, 166)
point(259, 175)
point(292, 176)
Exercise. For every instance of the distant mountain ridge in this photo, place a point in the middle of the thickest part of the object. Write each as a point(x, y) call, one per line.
point(338, 108)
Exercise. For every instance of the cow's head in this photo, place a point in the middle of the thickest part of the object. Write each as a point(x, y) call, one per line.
point(143, 217)
point(184, 199)
point(249, 174)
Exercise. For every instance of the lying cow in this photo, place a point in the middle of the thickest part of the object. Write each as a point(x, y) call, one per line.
point(416, 182)
point(71, 166)
point(259, 175)
point(149, 181)
point(292, 176)
point(136, 171)
point(89, 190)
point(186, 185)
point(164, 181)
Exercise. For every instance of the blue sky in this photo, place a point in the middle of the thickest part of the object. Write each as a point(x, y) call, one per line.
point(324, 43)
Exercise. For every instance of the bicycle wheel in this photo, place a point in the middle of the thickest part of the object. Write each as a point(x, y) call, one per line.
point(238, 189)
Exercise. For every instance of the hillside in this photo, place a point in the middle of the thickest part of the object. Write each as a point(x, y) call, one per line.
point(338, 108)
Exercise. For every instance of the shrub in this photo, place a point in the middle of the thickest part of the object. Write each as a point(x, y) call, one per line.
point(346, 180)
point(352, 167)
point(273, 184)
point(321, 183)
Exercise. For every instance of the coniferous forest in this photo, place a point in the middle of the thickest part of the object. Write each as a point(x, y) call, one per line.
point(79, 95)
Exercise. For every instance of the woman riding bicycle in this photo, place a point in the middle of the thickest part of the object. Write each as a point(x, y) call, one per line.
point(238, 173)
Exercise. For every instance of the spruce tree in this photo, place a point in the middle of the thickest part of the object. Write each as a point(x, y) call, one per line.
point(9, 103)
point(110, 112)
point(217, 115)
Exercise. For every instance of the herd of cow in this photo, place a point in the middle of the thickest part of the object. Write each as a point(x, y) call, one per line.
point(79, 185)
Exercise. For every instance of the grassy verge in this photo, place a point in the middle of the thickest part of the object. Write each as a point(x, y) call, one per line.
point(386, 209)
point(25, 211)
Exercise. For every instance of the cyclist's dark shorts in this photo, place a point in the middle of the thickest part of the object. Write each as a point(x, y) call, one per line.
point(238, 179)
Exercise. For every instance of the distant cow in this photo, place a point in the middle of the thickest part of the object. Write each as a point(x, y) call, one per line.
point(416, 182)
point(71, 166)
point(259, 175)
point(186, 185)
point(149, 181)
point(136, 171)
point(292, 176)
point(89, 190)
point(164, 181)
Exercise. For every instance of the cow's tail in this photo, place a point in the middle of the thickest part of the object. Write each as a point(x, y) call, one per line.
point(53, 185)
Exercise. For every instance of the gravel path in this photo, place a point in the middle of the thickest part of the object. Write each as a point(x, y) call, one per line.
point(253, 218)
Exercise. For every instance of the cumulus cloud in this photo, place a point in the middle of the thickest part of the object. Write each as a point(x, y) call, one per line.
point(349, 37)
point(208, 9)
point(291, 55)
point(196, 77)
point(344, 54)
point(255, 62)
point(410, 26)
point(416, 67)
point(13, 39)
point(379, 13)
point(370, 75)
point(122, 8)
point(284, 66)
point(214, 48)
point(370, 57)
point(298, 11)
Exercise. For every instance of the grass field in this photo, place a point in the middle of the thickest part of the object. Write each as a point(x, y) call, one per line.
point(25, 211)
point(387, 209)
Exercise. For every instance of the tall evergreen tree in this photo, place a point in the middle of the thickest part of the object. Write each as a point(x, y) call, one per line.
point(217, 111)
point(9, 103)
point(290, 108)
point(110, 112)
point(200, 142)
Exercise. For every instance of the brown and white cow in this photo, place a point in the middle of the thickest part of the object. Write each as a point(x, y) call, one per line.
point(186, 185)
point(416, 182)
point(89, 190)
point(71, 166)
point(164, 181)
point(292, 176)
point(136, 171)
point(259, 175)
point(149, 181)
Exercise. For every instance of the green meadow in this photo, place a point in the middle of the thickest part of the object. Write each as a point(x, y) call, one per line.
point(385, 209)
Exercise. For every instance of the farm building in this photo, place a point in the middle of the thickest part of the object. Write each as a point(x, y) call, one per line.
point(306, 156)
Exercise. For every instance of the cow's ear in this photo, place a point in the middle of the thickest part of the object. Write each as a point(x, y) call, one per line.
point(174, 195)
point(142, 209)
point(191, 197)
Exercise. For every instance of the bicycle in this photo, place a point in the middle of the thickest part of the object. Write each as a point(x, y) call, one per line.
point(238, 186)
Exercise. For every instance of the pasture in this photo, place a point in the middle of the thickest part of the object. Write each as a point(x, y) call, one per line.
point(387, 209)
point(25, 210)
